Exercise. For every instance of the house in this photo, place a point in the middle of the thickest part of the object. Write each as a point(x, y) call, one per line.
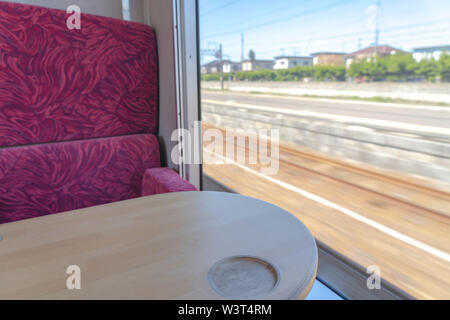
point(211, 67)
point(253, 65)
point(370, 52)
point(329, 58)
point(286, 62)
point(231, 66)
point(429, 53)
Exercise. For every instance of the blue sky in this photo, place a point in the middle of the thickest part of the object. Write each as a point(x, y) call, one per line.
point(274, 27)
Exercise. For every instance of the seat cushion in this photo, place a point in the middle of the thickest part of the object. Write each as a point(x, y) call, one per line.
point(58, 84)
point(44, 179)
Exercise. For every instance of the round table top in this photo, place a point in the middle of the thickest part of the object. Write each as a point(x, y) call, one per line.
point(188, 245)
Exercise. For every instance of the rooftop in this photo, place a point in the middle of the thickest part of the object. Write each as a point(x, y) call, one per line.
point(442, 47)
point(384, 49)
point(216, 62)
point(211, 63)
point(257, 60)
point(328, 52)
point(293, 57)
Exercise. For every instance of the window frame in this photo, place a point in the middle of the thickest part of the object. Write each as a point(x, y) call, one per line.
point(187, 75)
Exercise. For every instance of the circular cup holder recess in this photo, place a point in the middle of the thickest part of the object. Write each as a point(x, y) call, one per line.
point(243, 277)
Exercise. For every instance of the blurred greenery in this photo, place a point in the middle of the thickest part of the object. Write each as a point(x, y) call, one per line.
point(398, 67)
point(402, 67)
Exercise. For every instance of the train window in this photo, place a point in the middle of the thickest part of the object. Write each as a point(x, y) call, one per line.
point(339, 112)
point(126, 10)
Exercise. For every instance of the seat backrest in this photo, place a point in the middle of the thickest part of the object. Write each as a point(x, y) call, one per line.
point(78, 111)
point(58, 84)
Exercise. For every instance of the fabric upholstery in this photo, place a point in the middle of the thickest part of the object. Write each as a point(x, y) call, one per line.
point(58, 84)
point(164, 180)
point(78, 110)
point(50, 178)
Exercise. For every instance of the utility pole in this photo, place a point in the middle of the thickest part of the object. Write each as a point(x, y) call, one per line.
point(221, 66)
point(218, 54)
point(242, 47)
point(377, 30)
point(229, 76)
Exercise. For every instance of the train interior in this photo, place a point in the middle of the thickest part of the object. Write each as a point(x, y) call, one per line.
point(195, 149)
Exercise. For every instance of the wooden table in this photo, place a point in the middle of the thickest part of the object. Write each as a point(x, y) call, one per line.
point(190, 245)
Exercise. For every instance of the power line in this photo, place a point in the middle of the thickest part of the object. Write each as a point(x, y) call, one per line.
point(304, 40)
point(334, 26)
point(281, 20)
point(361, 33)
point(432, 38)
point(272, 11)
point(219, 7)
point(338, 43)
point(388, 36)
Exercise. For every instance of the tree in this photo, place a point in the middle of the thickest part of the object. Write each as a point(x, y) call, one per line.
point(251, 55)
point(399, 66)
point(444, 66)
point(428, 69)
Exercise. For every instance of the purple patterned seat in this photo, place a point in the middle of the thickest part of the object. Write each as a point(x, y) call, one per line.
point(78, 111)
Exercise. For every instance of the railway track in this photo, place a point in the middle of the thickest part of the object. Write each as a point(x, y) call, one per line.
point(379, 177)
point(401, 183)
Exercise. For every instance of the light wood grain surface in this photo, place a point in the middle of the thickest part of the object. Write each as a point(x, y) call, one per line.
point(158, 247)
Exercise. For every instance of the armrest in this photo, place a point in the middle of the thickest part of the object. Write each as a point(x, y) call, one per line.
point(163, 180)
